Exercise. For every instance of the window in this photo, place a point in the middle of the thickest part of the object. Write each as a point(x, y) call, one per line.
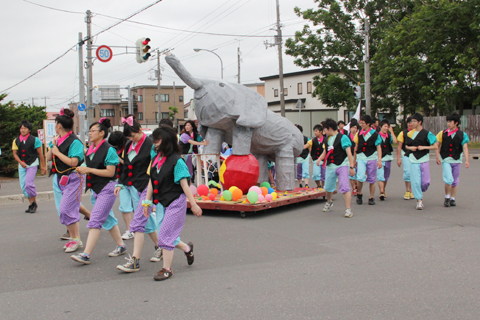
point(275, 93)
point(107, 113)
point(164, 115)
point(163, 97)
point(185, 115)
point(140, 98)
point(309, 87)
point(140, 116)
point(299, 88)
point(285, 92)
point(180, 98)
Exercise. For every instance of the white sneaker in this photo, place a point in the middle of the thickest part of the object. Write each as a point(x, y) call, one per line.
point(348, 213)
point(419, 205)
point(157, 256)
point(328, 206)
point(72, 246)
point(128, 235)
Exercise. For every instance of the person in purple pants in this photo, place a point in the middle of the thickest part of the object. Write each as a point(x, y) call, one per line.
point(101, 161)
point(27, 150)
point(189, 142)
point(383, 174)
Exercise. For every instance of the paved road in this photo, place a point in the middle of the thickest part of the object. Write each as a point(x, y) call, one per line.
point(388, 262)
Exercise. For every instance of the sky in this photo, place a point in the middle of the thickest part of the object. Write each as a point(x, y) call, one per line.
point(33, 36)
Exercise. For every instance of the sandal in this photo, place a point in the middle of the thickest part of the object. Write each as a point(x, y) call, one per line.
point(163, 274)
point(189, 254)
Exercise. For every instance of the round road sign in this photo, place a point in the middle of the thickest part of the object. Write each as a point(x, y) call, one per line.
point(104, 53)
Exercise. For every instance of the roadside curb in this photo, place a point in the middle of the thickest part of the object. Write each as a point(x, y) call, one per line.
point(20, 198)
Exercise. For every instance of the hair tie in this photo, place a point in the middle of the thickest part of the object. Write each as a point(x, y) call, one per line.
point(101, 120)
point(62, 112)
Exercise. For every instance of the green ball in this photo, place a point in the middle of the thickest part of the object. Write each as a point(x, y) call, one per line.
point(252, 197)
point(227, 195)
point(212, 182)
point(265, 184)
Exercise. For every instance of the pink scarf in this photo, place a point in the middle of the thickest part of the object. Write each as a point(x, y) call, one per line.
point(383, 135)
point(159, 162)
point(138, 146)
point(364, 132)
point(93, 149)
point(61, 139)
point(22, 139)
point(451, 132)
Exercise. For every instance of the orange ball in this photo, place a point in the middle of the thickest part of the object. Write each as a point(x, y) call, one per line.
point(237, 194)
point(214, 191)
point(264, 191)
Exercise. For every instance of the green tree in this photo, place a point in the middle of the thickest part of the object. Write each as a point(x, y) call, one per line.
point(172, 112)
point(335, 43)
point(10, 117)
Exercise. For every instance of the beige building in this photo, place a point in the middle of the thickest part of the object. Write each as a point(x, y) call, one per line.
point(299, 85)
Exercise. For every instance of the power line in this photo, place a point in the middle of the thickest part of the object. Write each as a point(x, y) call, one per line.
point(43, 6)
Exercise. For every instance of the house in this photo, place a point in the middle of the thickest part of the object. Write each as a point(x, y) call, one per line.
point(299, 86)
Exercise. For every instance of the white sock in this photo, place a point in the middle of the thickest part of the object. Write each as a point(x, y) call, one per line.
point(447, 196)
point(452, 198)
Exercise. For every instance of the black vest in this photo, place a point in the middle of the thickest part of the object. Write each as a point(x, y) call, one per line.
point(135, 171)
point(452, 147)
point(317, 148)
point(367, 147)
point(26, 151)
point(353, 143)
point(95, 182)
point(58, 164)
point(338, 155)
point(406, 138)
point(304, 153)
point(387, 146)
point(185, 147)
point(119, 168)
point(165, 190)
point(420, 140)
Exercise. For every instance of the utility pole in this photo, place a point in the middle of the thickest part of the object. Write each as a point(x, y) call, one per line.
point(238, 55)
point(280, 62)
point(130, 104)
point(81, 87)
point(88, 20)
point(368, 101)
point(158, 85)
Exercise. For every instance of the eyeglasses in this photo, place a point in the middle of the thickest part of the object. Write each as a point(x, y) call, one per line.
point(92, 131)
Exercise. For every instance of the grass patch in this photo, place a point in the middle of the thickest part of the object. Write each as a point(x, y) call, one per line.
point(474, 145)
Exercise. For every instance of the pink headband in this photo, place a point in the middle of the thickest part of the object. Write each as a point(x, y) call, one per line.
point(102, 119)
point(128, 120)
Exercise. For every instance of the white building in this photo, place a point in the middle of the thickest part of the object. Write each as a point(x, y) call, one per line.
point(299, 85)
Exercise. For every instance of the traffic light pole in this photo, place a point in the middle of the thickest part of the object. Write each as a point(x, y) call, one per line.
point(368, 100)
point(88, 20)
point(81, 87)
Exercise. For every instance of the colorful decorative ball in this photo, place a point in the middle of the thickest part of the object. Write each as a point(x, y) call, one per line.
point(227, 195)
point(232, 188)
point(270, 190)
point(261, 198)
point(264, 191)
point(237, 194)
point(193, 189)
point(211, 196)
point(268, 197)
point(252, 197)
point(212, 183)
point(202, 190)
point(265, 184)
point(214, 191)
point(240, 171)
point(274, 196)
point(256, 189)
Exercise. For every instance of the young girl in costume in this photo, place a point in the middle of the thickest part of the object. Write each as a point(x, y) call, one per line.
point(403, 158)
point(101, 160)
point(66, 153)
point(383, 174)
point(27, 149)
point(169, 187)
point(118, 141)
point(454, 143)
point(134, 178)
point(189, 142)
point(316, 149)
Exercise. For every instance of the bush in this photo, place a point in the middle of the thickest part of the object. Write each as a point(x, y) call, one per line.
point(10, 117)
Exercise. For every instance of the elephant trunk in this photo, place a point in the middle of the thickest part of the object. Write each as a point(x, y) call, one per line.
point(180, 70)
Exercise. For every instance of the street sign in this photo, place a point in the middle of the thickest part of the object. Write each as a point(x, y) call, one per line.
point(104, 53)
point(40, 134)
point(82, 113)
point(81, 107)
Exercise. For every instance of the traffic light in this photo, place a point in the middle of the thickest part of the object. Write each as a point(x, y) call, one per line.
point(142, 50)
point(357, 92)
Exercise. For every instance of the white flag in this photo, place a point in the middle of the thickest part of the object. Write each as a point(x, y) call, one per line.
point(355, 116)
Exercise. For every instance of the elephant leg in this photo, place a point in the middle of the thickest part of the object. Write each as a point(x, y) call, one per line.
point(242, 140)
point(285, 170)
point(215, 138)
point(262, 163)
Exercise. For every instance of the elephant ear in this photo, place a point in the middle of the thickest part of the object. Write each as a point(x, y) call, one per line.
point(252, 107)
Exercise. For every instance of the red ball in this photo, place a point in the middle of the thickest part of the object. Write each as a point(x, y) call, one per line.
point(155, 201)
point(211, 196)
point(155, 182)
point(130, 167)
point(202, 190)
point(89, 177)
point(23, 155)
point(89, 185)
point(155, 191)
point(130, 183)
point(118, 176)
point(23, 150)
point(240, 171)
point(53, 170)
point(118, 170)
point(130, 174)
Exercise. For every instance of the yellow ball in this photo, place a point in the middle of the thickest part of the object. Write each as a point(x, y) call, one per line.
point(232, 188)
point(274, 195)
